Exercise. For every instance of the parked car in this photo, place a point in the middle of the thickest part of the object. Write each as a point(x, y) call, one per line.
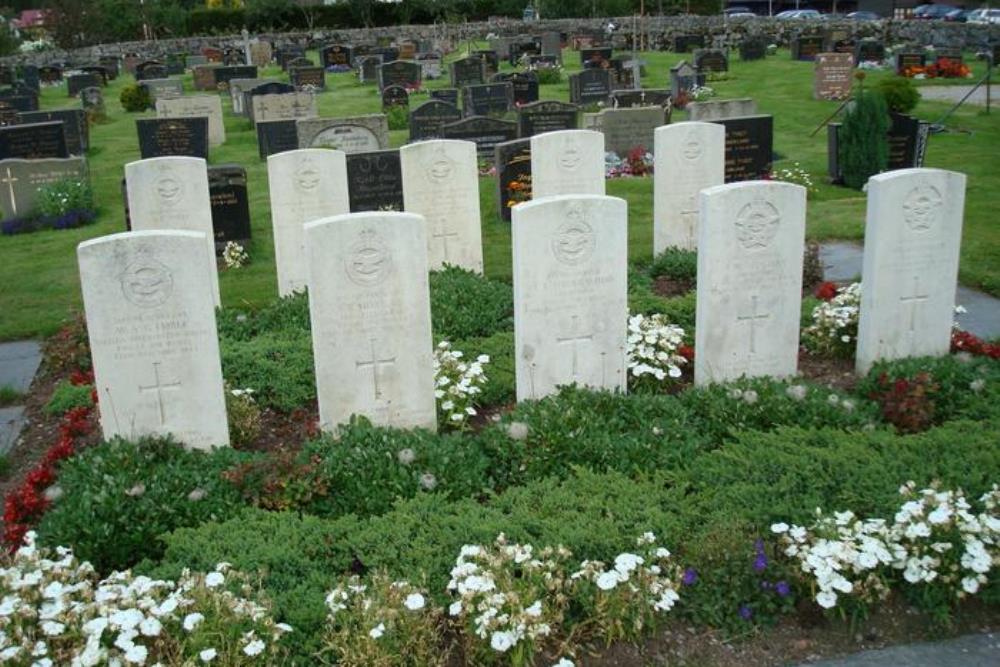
point(932, 12)
point(864, 16)
point(957, 16)
point(737, 11)
point(798, 14)
point(982, 16)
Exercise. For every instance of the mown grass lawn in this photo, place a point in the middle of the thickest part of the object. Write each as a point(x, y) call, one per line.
point(39, 287)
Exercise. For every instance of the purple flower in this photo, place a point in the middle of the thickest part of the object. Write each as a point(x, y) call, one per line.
point(760, 560)
point(746, 613)
point(783, 589)
point(690, 577)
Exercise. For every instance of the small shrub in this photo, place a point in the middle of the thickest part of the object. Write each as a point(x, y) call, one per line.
point(906, 403)
point(548, 75)
point(135, 98)
point(67, 396)
point(499, 388)
point(287, 317)
point(464, 304)
point(281, 481)
point(278, 367)
point(244, 417)
point(901, 96)
point(398, 117)
point(864, 148)
point(676, 264)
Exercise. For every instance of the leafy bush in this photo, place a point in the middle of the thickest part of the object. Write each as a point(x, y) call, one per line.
point(135, 98)
point(287, 317)
point(118, 496)
point(464, 305)
point(281, 481)
point(500, 384)
point(548, 75)
point(398, 117)
point(899, 92)
point(243, 416)
point(864, 146)
point(67, 396)
point(278, 368)
point(677, 264)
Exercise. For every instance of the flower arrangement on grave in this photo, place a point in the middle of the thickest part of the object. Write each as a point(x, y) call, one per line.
point(963, 341)
point(795, 174)
point(338, 69)
point(235, 255)
point(945, 68)
point(65, 204)
point(653, 351)
point(457, 383)
point(637, 162)
point(519, 189)
point(700, 93)
point(834, 331)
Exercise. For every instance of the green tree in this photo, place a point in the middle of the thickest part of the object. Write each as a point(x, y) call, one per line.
point(864, 143)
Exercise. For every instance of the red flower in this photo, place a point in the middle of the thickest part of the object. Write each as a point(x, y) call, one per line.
point(826, 291)
point(79, 378)
point(686, 351)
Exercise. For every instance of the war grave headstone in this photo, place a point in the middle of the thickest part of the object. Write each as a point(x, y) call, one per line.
point(689, 157)
point(513, 174)
point(449, 95)
point(171, 193)
point(753, 48)
point(34, 141)
point(711, 60)
point(369, 312)
point(806, 47)
point(305, 185)
point(441, 183)
point(209, 106)
point(227, 187)
point(485, 132)
point(276, 136)
point(428, 119)
point(153, 338)
point(314, 77)
point(567, 162)
point(833, 76)
point(595, 57)
point(375, 181)
point(368, 68)
point(395, 96)
point(163, 88)
point(282, 106)
point(751, 239)
point(75, 126)
point(913, 234)
point(160, 137)
point(570, 293)
point(589, 86)
point(749, 147)
point(468, 71)
point(488, 98)
point(684, 77)
point(400, 73)
point(77, 82)
point(358, 134)
point(546, 116)
point(684, 43)
point(628, 129)
point(719, 109)
point(20, 181)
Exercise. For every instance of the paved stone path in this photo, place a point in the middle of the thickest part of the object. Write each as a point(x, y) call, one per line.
point(18, 364)
point(954, 93)
point(842, 262)
point(981, 650)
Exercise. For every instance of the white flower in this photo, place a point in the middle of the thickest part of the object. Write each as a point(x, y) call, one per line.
point(52, 629)
point(779, 528)
point(136, 654)
point(191, 621)
point(564, 662)
point(150, 627)
point(750, 396)
point(414, 601)
point(826, 599)
point(377, 631)
point(213, 579)
point(977, 385)
point(208, 655)
point(607, 580)
point(406, 456)
point(535, 610)
point(970, 585)
point(502, 640)
point(428, 481)
point(796, 392)
point(255, 647)
point(455, 608)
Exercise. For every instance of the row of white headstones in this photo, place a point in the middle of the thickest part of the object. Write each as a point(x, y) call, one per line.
point(150, 295)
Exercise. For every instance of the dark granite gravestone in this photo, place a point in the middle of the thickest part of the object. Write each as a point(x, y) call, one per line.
point(388, 53)
point(950, 54)
point(683, 78)
point(99, 71)
point(9, 117)
point(50, 74)
point(907, 138)
point(8, 75)
point(368, 68)
point(159, 137)
point(35, 141)
point(711, 60)
point(595, 57)
point(428, 119)
point(112, 64)
point(287, 53)
point(298, 62)
point(644, 97)
point(468, 71)
point(395, 96)
point(375, 181)
point(513, 174)
point(486, 133)
point(869, 50)
point(308, 76)
point(449, 95)
point(753, 48)
point(546, 116)
point(267, 88)
point(10, 100)
point(487, 98)
point(521, 48)
point(805, 47)
point(75, 126)
point(906, 59)
point(176, 63)
point(336, 55)
point(226, 73)
point(276, 136)
point(525, 86)
point(77, 82)
point(685, 43)
point(490, 59)
point(749, 147)
point(589, 86)
point(400, 73)
point(30, 78)
point(227, 189)
point(233, 56)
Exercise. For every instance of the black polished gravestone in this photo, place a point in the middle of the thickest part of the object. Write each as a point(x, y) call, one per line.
point(112, 64)
point(226, 73)
point(75, 126)
point(807, 47)
point(597, 57)
point(523, 47)
point(525, 85)
point(487, 98)
point(336, 55)
point(953, 55)
point(276, 136)
point(513, 174)
point(13, 102)
point(907, 138)
point(711, 60)
point(151, 69)
point(644, 97)
point(77, 82)
point(307, 76)
point(29, 76)
point(753, 48)
point(35, 141)
point(490, 59)
point(749, 147)
point(589, 86)
point(907, 59)
point(486, 133)
point(99, 70)
point(546, 116)
point(227, 189)
point(468, 71)
point(449, 95)
point(428, 119)
point(869, 50)
point(685, 43)
point(395, 96)
point(375, 181)
point(159, 137)
point(400, 73)
point(50, 73)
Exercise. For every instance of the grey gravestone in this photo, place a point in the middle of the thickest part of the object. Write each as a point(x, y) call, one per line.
point(711, 60)
point(486, 133)
point(487, 98)
point(805, 47)
point(753, 48)
point(468, 71)
point(163, 88)
point(400, 73)
point(77, 82)
point(308, 76)
point(276, 136)
point(33, 142)
point(490, 59)
point(368, 68)
point(628, 129)
point(175, 63)
point(227, 187)
point(74, 124)
point(375, 181)
point(395, 96)
point(589, 86)
point(428, 119)
point(749, 147)
point(683, 78)
point(20, 181)
point(551, 45)
point(266, 88)
point(159, 137)
point(513, 168)
point(449, 95)
point(546, 116)
point(359, 134)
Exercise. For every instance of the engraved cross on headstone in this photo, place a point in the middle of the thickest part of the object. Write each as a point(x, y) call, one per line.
point(752, 319)
point(444, 235)
point(913, 301)
point(159, 387)
point(374, 363)
point(9, 181)
point(573, 341)
point(689, 214)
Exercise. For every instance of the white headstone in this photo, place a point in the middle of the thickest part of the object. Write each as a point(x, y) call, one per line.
point(152, 334)
point(193, 106)
point(570, 293)
point(172, 193)
point(441, 183)
point(913, 235)
point(689, 157)
point(305, 185)
point(751, 237)
point(567, 162)
point(369, 305)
